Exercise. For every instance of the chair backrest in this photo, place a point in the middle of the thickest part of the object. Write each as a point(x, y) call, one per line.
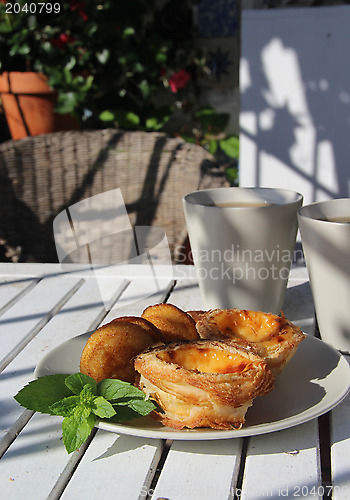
point(42, 176)
point(295, 100)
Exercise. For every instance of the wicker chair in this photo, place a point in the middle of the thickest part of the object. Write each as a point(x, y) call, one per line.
point(43, 175)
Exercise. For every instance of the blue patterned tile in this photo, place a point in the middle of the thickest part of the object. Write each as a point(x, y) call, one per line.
point(218, 18)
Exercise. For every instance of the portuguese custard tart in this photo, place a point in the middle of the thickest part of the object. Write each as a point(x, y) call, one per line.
point(203, 383)
point(275, 338)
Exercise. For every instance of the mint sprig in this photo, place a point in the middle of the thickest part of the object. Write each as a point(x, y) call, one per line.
point(80, 400)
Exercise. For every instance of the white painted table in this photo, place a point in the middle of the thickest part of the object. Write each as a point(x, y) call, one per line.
point(41, 306)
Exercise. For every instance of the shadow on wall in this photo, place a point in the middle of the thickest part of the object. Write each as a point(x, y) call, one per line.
point(295, 101)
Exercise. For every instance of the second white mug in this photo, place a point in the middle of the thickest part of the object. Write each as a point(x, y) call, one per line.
point(325, 232)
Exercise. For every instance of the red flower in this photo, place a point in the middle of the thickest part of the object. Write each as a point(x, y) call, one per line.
point(80, 7)
point(179, 80)
point(61, 40)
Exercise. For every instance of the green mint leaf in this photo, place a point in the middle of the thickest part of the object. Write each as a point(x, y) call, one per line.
point(103, 408)
point(87, 395)
point(43, 392)
point(124, 413)
point(140, 405)
point(143, 407)
point(65, 407)
point(81, 412)
point(77, 381)
point(79, 399)
point(113, 389)
point(75, 431)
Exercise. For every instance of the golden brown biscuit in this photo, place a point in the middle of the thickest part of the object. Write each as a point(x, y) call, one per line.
point(145, 324)
point(110, 351)
point(175, 324)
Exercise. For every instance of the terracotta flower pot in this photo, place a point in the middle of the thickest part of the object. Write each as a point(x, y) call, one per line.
point(28, 103)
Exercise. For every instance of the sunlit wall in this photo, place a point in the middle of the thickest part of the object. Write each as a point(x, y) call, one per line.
point(295, 100)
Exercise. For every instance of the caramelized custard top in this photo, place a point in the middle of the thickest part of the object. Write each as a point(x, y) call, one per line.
point(206, 360)
point(249, 325)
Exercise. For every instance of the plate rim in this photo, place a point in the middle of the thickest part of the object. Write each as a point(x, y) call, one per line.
point(200, 434)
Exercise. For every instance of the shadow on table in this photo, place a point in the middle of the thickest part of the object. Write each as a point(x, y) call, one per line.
point(124, 443)
point(299, 307)
point(301, 387)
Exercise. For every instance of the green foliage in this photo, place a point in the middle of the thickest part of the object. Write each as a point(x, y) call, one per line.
point(121, 64)
point(230, 146)
point(79, 399)
point(208, 129)
point(113, 63)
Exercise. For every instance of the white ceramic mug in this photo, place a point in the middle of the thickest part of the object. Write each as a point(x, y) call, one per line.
point(242, 241)
point(326, 244)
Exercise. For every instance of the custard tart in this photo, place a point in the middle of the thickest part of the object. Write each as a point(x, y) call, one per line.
point(275, 338)
point(203, 383)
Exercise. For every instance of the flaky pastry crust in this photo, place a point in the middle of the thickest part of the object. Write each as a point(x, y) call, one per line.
point(203, 383)
point(275, 338)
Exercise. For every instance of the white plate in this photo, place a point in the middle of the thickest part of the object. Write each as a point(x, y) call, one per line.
point(314, 382)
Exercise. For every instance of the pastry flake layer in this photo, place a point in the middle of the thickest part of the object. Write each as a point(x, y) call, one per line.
point(204, 383)
point(275, 338)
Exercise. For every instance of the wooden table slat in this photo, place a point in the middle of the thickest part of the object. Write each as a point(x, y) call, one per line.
point(200, 469)
point(138, 295)
point(340, 449)
point(81, 313)
point(115, 467)
point(11, 291)
point(185, 295)
point(285, 463)
point(61, 305)
point(20, 323)
point(32, 465)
